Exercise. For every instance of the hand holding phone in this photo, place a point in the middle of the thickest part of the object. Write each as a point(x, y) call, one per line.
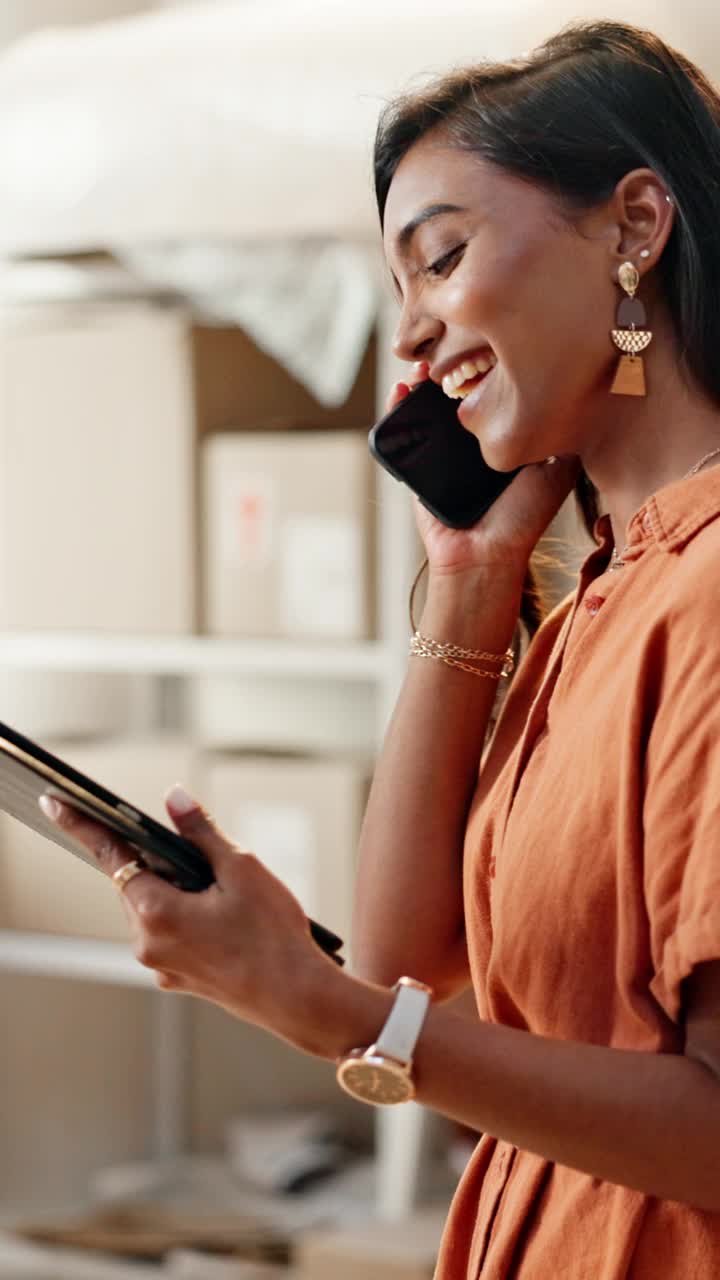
point(422, 443)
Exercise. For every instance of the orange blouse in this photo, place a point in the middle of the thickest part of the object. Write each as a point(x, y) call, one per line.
point(592, 882)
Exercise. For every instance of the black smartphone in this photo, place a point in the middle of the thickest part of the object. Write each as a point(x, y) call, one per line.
point(28, 771)
point(423, 443)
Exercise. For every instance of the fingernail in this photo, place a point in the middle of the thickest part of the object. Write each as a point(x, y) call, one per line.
point(180, 801)
point(51, 808)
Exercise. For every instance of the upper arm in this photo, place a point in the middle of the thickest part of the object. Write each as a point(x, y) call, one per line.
point(681, 812)
point(701, 1009)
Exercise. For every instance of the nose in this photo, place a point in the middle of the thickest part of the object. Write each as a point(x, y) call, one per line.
point(416, 336)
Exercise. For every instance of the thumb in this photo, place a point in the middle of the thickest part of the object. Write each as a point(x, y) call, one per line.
point(192, 822)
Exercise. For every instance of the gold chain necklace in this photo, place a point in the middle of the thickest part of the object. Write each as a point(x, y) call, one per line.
point(616, 559)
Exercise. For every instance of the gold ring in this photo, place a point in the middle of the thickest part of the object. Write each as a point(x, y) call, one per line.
point(126, 873)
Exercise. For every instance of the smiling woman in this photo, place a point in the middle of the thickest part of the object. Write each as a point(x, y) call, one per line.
point(537, 216)
point(533, 214)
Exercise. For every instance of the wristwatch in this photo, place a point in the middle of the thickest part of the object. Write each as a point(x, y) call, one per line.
point(382, 1074)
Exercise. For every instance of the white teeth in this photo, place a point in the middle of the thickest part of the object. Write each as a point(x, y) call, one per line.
point(454, 382)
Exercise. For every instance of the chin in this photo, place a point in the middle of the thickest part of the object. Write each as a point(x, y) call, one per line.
point(507, 452)
point(512, 440)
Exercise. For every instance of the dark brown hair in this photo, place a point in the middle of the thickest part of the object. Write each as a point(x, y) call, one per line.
point(574, 116)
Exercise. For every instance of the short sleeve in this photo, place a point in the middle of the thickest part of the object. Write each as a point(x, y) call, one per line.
point(681, 804)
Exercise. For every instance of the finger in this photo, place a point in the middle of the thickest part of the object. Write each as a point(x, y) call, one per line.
point(536, 494)
point(398, 394)
point(420, 372)
point(109, 850)
point(196, 825)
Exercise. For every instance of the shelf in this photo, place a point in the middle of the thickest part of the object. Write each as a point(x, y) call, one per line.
point(46, 955)
point(190, 655)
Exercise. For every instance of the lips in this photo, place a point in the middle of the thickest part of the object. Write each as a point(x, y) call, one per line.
point(473, 395)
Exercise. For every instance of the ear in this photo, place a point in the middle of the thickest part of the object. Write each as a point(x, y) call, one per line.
point(644, 213)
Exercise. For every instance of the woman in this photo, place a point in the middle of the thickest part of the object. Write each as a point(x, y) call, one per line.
point(577, 882)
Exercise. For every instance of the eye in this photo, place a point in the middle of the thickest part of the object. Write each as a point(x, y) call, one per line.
point(442, 266)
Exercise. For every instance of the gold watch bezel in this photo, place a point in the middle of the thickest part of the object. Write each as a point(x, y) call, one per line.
point(377, 1062)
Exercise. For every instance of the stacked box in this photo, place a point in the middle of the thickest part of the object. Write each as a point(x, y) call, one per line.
point(288, 535)
point(301, 817)
point(96, 469)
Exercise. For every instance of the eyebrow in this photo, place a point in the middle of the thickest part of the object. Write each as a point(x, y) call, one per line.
point(426, 215)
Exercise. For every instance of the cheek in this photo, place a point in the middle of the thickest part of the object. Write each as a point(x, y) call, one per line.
point(510, 296)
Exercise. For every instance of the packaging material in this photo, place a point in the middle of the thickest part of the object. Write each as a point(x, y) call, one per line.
point(310, 305)
point(21, 1260)
point(286, 1150)
point(152, 1231)
point(386, 1251)
point(239, 386)
point(96, 471)
point(190, 1183)
point(288, 524)
point(301, 818)
point(281, 713)
point(186, 1264)
point(103, 144)
point(44, 888)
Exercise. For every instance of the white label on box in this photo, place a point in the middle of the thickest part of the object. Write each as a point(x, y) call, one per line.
point(321, 576)
point(281, 836)
point(246, 519)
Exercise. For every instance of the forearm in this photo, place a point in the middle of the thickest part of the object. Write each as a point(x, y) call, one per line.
point(409, 913)
point(642, 1120)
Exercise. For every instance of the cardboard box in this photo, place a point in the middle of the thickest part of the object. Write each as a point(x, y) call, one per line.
point(301, 818)
point(96, 468)
point(238, 387)
point(43, 888)
point(288, 520)
point(386, 1251)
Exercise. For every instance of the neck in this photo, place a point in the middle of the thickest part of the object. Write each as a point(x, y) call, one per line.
point(643, 444)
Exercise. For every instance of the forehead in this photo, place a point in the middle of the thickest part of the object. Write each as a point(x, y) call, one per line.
point(435, 173)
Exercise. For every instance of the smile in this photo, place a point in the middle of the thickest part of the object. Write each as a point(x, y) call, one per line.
point(468, 374)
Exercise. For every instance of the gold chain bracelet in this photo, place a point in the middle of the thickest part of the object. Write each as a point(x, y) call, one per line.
point(454, 655)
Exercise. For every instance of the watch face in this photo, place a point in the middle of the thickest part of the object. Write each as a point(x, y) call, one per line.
point(376, 1080)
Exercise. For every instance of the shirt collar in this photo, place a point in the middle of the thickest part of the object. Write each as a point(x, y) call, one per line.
point(672, 516)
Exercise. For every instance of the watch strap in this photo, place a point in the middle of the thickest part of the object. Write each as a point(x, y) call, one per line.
point(404, 1024)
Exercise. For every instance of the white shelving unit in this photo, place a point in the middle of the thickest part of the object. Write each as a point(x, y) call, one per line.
point(190, 655)
point(379, 664)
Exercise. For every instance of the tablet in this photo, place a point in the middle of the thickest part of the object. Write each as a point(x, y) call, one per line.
point(28, 771)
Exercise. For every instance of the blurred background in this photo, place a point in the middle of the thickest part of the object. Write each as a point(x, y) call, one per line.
point(202, 579)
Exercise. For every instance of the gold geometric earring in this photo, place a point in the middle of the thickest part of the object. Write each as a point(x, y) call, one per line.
point(630, 336)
